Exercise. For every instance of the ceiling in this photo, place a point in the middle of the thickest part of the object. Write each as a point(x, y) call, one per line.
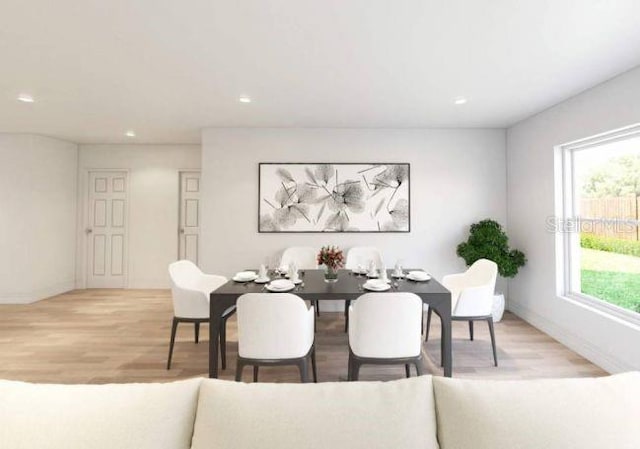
point(168, 68)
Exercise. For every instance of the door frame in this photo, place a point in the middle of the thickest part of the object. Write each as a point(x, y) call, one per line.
point(82, 253)
point(181, 173)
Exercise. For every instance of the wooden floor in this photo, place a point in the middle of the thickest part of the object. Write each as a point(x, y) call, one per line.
point(103, 336)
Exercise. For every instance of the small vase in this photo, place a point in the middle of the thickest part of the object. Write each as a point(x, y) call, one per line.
point(330, 275)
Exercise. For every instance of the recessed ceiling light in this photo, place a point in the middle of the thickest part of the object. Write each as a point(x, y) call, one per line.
point(460, 100)
point(25, 98)
point(244, 99)
point(130, 133)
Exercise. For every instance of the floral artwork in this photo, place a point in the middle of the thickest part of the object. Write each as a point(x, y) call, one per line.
point(334, 197)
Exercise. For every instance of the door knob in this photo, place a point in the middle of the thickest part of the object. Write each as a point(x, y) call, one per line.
point(89, 230)
point(181, 230)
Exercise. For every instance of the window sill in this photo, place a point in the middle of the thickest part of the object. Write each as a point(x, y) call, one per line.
point(626, 316)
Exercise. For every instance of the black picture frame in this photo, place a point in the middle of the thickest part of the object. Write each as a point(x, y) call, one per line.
point(372, 166)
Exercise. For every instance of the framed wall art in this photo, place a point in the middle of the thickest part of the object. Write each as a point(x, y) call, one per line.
point(340, 197)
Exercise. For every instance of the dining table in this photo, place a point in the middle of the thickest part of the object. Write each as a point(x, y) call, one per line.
point(349, 286)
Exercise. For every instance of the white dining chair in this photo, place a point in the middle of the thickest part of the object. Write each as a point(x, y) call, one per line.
point(385, 328)
point(275, 329)
point(305, 258)
point(190, 289)
point(472, 297)
point(360, 255)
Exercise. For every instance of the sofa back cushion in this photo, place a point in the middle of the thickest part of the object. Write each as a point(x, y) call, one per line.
point(533, 414)
point(136, 416)
point(353, 415)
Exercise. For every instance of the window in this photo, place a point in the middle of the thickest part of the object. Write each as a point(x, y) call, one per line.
point(600, 209)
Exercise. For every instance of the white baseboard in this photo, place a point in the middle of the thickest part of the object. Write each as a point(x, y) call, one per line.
point(574, 342)
point(37, 295)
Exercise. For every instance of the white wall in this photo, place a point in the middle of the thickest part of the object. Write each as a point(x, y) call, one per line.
point(606, 341)
point(154, 174)
point(37, 217)
point(457, 177)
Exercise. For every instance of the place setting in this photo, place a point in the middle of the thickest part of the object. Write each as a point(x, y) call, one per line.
point(377, 282)
point(418, 276)
point(245, 276)
point(291, 281)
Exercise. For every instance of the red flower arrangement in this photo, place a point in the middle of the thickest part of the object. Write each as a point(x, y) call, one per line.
point(331, 256)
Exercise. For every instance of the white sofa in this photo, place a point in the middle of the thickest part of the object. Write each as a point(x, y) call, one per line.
point(423, 412)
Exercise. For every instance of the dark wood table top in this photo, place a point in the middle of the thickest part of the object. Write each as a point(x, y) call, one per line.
point(349, 286)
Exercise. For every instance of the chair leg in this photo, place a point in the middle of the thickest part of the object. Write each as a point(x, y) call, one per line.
point(493, 340)
point(350, 368)
point(426, 332)
point(223, 343)
point(356, 370)
point(407, 370)
point(196, 328)
point(419, 368)
point(471, 330)
point(239, 368)
point(174, 328)
point(255, 373)
point(313, 365)
point(303, 366)
point(347, 303)
point(316, 304)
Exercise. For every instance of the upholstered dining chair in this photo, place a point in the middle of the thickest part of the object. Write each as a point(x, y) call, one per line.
point(360, 255)
point(472, 297)
point(190, 289)
point(275, 329)
point(385, 328)
point(305, 258)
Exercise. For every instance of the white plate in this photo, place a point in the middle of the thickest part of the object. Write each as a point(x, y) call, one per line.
point(359, 271)
point(281, 284)
point(376, 287)
point(262, 280)
point(279, 290)
point(411, 277)
point(242, 279)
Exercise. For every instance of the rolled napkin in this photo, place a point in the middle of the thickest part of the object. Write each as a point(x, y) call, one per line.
point(372, 272)
point(418, 275)
point(292, 273)
point(376, 284)
point(383, 274)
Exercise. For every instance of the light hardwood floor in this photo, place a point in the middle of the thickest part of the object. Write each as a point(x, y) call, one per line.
point(102, 336)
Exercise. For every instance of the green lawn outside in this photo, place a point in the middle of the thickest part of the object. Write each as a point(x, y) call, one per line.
point(612, 277)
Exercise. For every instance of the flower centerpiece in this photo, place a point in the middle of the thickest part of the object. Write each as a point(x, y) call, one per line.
point(332, 258)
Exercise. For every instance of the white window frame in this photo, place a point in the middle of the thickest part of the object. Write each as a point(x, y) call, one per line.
point(568, 241)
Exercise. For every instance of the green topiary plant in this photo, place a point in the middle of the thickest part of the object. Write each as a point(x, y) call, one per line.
point(487, 240)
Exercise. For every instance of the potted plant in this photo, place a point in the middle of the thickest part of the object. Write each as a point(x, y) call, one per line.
point(487, 240)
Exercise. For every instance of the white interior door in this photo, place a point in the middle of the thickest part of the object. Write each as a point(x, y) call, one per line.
point(189, 216)
point(107, 229)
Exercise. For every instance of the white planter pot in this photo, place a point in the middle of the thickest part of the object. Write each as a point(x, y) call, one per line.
point(498, 307)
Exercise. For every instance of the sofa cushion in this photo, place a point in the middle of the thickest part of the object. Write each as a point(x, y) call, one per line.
point(353, 415)
point(533, 414)
point(136, 416)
